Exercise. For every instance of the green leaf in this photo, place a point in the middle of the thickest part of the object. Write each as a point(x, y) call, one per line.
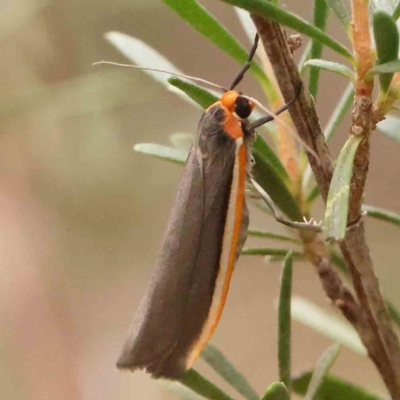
point(284, 321)
point(177, 156)
point(396, 12)
point(270, 235)
point(276, 391)
point(331, 66)
point(332, 388)
point(304, 57)
point(212, 356)
point(320, 18)
point(387, 43)
point(202, 386)
point(144, 55)
point(179, 390)
point(387, 68)
point(337, 205)
point(322, 368)
point(390, 127)
point(268, 251)
point(203, 22)
point(202, 97)
point(342, 107)
point(382, 214)
point(265, 150)
point(313, 194)
point(276, 14)
point(329, 325)
point(341, 13)
point(267, 177)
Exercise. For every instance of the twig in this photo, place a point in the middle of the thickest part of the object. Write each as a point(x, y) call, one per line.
point(316, 252)
point(371, 320)
point(382, 345)
point(303, 112)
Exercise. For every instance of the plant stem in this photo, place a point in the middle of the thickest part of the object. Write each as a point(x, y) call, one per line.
point(373, 322)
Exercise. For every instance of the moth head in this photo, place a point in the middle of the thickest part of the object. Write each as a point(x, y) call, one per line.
point(237, 104)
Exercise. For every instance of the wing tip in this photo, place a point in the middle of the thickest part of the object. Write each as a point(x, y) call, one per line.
point(173, 373)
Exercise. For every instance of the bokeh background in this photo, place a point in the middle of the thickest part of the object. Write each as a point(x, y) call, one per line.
point(81, 214)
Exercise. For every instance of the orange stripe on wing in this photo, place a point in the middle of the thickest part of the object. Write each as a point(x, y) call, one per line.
point(242, 160)
point(228, 252)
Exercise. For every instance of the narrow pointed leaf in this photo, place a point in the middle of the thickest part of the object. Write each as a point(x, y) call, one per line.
point(204, 98)
point(270, 235)
point(203, 22)
point(276, 14)
point(179, 390)
point(265, 150)
point(266, 176)
point(342, 107)
point(278, 258)
point(177, 156)
point(267, 251)
point(340, 12)
point(202, 386)
point(390, 127)
point(212, 356)
point(329, 325)
point(337, 205)
point(313, 194)
point(396, 12)
point(386, 68)
point(320, 17)
point(284, 321)
point(387, 43)
point(382, 214)
point(304, 57)
point(331, 66)
point(331, 388)
point(322, 368)
point(276, 391)
point(143, 55)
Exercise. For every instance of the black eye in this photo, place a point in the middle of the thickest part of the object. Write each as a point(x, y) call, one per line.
point(242, 107)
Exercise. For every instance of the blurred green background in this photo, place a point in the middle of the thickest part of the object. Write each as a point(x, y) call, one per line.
point(82, 215)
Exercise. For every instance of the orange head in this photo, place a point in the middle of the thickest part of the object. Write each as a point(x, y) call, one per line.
point(234, 102)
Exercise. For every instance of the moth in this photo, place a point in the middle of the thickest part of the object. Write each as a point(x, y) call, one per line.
point(203, 239)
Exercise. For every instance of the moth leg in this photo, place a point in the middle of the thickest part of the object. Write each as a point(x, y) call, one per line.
point(307, 225)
